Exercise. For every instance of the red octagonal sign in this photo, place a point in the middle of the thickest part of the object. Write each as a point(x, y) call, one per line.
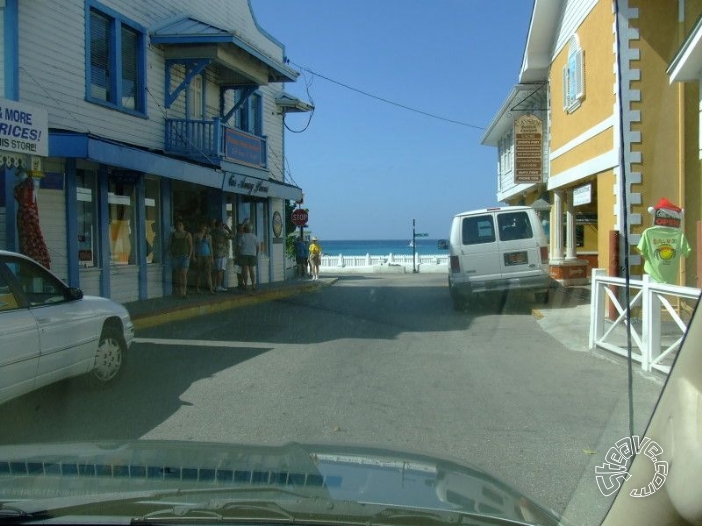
point(299, 217)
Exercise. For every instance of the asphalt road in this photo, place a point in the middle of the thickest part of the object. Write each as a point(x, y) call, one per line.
point(374, 359)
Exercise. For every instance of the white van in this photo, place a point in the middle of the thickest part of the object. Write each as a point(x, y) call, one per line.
point(497, 250)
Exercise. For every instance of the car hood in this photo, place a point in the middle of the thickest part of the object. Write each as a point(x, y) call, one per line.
point(43, 477)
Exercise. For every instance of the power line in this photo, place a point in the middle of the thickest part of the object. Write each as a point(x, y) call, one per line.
point(387, 101)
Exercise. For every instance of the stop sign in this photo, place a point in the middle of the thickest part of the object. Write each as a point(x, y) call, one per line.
point(299, 217)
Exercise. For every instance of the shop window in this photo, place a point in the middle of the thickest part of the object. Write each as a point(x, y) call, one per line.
point(115, 61)
point(122, 210)
point(154, 229)
point(88, 231)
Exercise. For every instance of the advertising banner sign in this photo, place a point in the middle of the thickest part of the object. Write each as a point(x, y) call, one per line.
point(528, 149)
point(23, 129)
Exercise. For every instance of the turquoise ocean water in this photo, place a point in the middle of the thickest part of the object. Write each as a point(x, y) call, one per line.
point(378, 247)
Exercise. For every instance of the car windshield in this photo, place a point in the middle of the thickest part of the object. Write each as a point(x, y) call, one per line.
point(347, 261)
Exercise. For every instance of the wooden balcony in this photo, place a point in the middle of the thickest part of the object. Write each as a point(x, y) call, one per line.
point(212, 142)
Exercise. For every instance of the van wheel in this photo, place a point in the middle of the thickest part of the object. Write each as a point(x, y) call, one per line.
point(109, 356)
point(459, 302)
point(541, 297)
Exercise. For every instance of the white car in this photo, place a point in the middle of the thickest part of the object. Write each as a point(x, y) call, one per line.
point(50, 331)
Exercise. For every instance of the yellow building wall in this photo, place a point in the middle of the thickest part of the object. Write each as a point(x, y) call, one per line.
point(596, 40)
point(669, 123)
point(606, 221)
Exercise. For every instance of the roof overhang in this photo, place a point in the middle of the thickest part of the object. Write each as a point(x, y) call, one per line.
point(518, 101)
point(290, 104)
point(687, 63)
point(241, 62)
point(539, 46)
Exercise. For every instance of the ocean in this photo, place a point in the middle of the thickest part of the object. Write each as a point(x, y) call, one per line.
point(379, 247)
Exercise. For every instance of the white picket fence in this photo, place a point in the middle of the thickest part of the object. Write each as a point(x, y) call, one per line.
point(650, 302)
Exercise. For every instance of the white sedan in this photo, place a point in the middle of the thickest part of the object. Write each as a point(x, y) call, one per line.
point(50, 331)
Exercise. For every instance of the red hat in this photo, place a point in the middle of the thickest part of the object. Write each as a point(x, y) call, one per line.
point(666, 213)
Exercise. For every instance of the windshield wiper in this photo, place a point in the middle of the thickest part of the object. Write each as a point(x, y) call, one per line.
point(15, 512)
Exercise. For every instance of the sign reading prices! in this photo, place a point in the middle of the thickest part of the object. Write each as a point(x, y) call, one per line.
point(528, 149)
point(23, 129)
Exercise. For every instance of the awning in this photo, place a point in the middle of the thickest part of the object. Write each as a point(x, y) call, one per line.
point(83, 146)
point(241, 62)
point(291, 104)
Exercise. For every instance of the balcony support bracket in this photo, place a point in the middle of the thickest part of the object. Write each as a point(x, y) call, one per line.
point(192, 67)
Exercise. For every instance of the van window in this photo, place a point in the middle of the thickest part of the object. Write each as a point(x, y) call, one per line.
point(478, 229)
point(514, 225)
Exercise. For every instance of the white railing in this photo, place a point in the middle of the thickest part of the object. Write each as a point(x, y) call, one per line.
point(368, 260)
point(649, 303)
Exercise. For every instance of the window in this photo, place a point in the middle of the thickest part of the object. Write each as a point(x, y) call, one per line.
point(573, 77)
point(115, 71)
point(39, 287)
point(154, 229)
point(514, 225)
point(478, 230)
point(121, 200)
point(88, 230)
point(196, 100)
point(249, 114)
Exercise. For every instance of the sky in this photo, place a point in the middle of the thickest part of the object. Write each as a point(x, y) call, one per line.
point(369, 167)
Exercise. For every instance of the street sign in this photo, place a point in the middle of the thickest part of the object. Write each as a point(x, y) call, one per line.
point(299, 217)
point(421, 235)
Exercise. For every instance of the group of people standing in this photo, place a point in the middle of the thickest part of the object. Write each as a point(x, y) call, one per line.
point(208, 251)
point(308, 256)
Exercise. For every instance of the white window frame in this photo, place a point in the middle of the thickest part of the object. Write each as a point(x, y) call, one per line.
point(574, 77)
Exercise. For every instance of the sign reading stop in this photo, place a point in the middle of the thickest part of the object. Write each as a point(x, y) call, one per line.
point(299, 217)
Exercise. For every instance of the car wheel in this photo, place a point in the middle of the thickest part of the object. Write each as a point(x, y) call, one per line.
point(109, 356)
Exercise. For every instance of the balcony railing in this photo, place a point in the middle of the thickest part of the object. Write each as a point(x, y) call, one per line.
point(212, 142)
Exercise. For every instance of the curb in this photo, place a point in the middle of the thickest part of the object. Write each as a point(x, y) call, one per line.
point(146, 321)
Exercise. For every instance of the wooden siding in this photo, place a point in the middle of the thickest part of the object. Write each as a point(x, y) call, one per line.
point(124, 283)
point(57, 80)
point(52, 217)
point(154, 281)
point(2, 54)
point(90, 281)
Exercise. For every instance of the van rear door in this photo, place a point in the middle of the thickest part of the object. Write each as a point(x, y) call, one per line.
point(520, 244)
point(479, 252)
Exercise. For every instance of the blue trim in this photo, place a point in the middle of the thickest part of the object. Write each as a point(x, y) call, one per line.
point(115, 67)
point(197, 67)
point(66, 144)
point(141, 237)
point(11, 49)
point(166, 222)
point(71, 194)
point(104, 222)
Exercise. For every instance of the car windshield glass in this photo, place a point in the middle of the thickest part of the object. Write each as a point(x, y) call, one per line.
point(350, 262)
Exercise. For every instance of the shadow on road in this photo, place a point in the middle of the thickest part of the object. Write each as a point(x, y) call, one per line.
point(148, 393)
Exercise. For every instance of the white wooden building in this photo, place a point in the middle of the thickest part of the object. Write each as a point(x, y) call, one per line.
point(156, 110)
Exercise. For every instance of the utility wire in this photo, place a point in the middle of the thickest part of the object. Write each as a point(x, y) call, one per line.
point(387, 101)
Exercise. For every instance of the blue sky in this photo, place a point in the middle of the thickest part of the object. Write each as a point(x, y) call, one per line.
point(367, 167)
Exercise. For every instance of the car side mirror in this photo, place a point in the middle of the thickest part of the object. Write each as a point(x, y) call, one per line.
point(442, 244)
point(74, 294)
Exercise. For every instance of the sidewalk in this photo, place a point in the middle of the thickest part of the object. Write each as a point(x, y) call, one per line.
point(157, 311)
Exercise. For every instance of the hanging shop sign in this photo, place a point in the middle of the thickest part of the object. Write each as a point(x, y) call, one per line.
point(23, 129)
point(245, 148)
point(528, 149)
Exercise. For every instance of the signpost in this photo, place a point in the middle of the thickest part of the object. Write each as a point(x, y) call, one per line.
point(415, 235)
point(300, 217)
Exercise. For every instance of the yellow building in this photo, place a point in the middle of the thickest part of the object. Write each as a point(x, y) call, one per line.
point(619, 133)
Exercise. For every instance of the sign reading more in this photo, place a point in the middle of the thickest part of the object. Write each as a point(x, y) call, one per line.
point(528, 149)
point(23, 129)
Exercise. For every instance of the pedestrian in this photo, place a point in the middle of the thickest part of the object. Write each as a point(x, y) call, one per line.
point(221, 234)
point(237, 256)
point(180, 247)
point(301, 256)
point(248, 255)
point(315, 251)
point(203, 257)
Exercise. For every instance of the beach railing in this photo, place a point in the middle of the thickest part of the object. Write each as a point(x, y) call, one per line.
point(369, 261)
